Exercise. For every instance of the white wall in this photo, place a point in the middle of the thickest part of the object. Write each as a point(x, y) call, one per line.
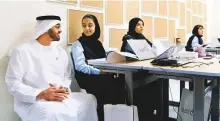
point(209, 21)
point(18, 20)
point(213, 12)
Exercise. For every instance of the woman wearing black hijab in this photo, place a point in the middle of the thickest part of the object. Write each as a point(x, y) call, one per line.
point(195, 41)
point(148, 97)
point(106, 88)
point(136, 27)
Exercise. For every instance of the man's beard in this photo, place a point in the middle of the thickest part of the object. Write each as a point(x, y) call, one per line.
point(53, 35)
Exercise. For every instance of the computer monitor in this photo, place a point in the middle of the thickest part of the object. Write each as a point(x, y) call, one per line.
point(162, 45)
point(214, 43)
point(219, 40)
point(170, 52)
point(163, 59)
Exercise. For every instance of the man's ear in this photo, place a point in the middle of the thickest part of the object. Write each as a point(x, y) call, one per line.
point(49, 31)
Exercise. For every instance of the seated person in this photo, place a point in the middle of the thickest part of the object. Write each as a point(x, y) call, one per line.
point(196, 44)
point(135, 30)
point(148, 97)
point(38, 78)
point(195, 41)
point(106, 88)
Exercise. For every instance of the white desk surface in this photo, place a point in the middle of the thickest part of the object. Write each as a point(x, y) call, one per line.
point(122, 65)
point(205, 70)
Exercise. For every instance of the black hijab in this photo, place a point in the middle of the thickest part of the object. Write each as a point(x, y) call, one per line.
point(93, 48)
point(195, 32)
point(131, 31)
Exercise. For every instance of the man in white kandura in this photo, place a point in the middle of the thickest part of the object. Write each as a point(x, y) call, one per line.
point(38, 78)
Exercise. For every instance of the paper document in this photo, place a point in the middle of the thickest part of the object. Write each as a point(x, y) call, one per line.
point(116, 56)
point(95, 61)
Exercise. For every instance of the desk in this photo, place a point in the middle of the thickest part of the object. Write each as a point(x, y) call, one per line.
point(214, 50)
point(196, 74)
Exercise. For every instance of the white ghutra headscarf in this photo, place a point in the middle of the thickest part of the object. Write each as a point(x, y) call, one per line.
point(44, 23)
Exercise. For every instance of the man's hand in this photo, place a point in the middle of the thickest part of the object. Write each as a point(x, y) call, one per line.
point(54, 93)
point(60, 89)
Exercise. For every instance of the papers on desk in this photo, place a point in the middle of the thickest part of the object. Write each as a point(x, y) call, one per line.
point(116, 56)
point(185, 55)
point(95, 61)
point(113, 57)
